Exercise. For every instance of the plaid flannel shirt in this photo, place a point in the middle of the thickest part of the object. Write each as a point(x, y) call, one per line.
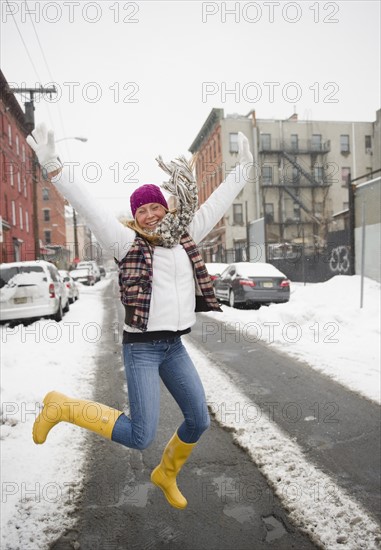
point(135, 281)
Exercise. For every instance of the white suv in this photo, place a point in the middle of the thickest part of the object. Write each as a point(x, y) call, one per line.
point(92, 265)
point(31, 290)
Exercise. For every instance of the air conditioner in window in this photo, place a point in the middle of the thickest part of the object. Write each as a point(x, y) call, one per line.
point(369, 151)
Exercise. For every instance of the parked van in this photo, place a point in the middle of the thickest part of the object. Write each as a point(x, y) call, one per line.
point(31, 290)
point(93, 265)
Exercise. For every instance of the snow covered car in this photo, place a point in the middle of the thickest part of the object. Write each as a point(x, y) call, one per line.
point(252, 284)
point(71, 286)
point(91, 264)
point(215, 269)
point(84, 275)
point(31, 290)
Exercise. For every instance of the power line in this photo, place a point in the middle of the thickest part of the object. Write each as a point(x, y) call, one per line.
point(50, 75)
point(38, 40)
point(25, 46)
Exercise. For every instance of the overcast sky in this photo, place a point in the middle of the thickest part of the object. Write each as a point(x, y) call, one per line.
point(138, 79)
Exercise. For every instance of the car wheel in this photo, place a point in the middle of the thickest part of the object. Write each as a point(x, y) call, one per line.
point(231, 299)
point(67, 307)
point(58, 314)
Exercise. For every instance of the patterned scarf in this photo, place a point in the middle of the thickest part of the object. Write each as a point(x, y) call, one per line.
point(182, 185)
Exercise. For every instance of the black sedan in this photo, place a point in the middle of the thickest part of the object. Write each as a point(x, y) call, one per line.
point(252, 284)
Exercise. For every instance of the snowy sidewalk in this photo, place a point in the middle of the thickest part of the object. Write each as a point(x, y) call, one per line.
point(39, 483)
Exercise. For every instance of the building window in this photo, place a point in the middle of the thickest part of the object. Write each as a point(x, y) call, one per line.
point(266, 142)
point(19, 181)
point(345, 172)
point(319, 174)
point(218, 143)
point(48, 237)
point(240, 251)
point(10, 135)
point(316, 142)
point(11, 174)
point(296, 212)
point(45, 193)
point(27, 222)
point(368, 144)
point(21, 218)
point(23, 152)
point(233, 143)
point(214, 149)
point(25, 189)
point(13, 212)
point(6, 206)
point(46, 215)
point(294, 142)
point(269, 212)
point(295, 176)
point(267, 175)
point(17, 145)
point(344, 143)
point(237, 214)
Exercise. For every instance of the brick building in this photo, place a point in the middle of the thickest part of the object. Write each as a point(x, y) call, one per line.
point(16, 192)
point(15, 181)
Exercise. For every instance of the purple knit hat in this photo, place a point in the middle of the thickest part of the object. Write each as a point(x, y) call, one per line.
point(145, 194)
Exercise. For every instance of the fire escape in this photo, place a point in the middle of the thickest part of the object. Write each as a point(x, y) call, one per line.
point(303, 187)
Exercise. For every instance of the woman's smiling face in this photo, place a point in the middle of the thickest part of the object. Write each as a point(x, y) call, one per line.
point(150, 215)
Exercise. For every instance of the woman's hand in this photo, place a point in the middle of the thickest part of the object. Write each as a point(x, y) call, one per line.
point(244, 153)
point(43, 145)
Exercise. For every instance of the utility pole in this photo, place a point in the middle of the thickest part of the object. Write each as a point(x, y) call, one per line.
point(29, 123)
point(75, 229)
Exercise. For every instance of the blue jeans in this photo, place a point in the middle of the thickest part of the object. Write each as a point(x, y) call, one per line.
point(145, 363)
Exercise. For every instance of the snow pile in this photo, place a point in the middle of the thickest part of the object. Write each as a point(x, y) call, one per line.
point(40, 484)
point(323, 325)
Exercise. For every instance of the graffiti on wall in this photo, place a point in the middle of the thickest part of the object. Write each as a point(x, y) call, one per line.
point(339, 261)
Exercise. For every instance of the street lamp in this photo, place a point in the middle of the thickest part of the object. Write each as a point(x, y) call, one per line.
point(83, 139)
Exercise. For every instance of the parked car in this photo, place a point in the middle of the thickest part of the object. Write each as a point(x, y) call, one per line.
point(215, 269)
point(71, 286)
point(93, 265)
point(252, 284)
point(31, 290)
point(84, 275)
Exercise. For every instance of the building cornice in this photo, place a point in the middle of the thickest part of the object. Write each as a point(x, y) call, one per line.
point(11, 103)
point(215, 116)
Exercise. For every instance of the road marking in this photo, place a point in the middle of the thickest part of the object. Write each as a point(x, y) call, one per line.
point(314, 502)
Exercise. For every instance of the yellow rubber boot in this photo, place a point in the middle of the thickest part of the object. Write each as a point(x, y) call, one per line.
point(87, 414)
point(164, 475)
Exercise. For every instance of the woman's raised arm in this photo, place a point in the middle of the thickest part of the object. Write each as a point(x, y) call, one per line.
point(113, 236)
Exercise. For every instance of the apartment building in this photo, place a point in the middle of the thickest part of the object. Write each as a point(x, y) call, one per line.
point(298, 182)
point(20, 199)
point(51, 217)
point(16, 210)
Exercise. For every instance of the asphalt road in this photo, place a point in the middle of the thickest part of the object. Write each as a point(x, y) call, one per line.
point(230, 504)
point(343, 436)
